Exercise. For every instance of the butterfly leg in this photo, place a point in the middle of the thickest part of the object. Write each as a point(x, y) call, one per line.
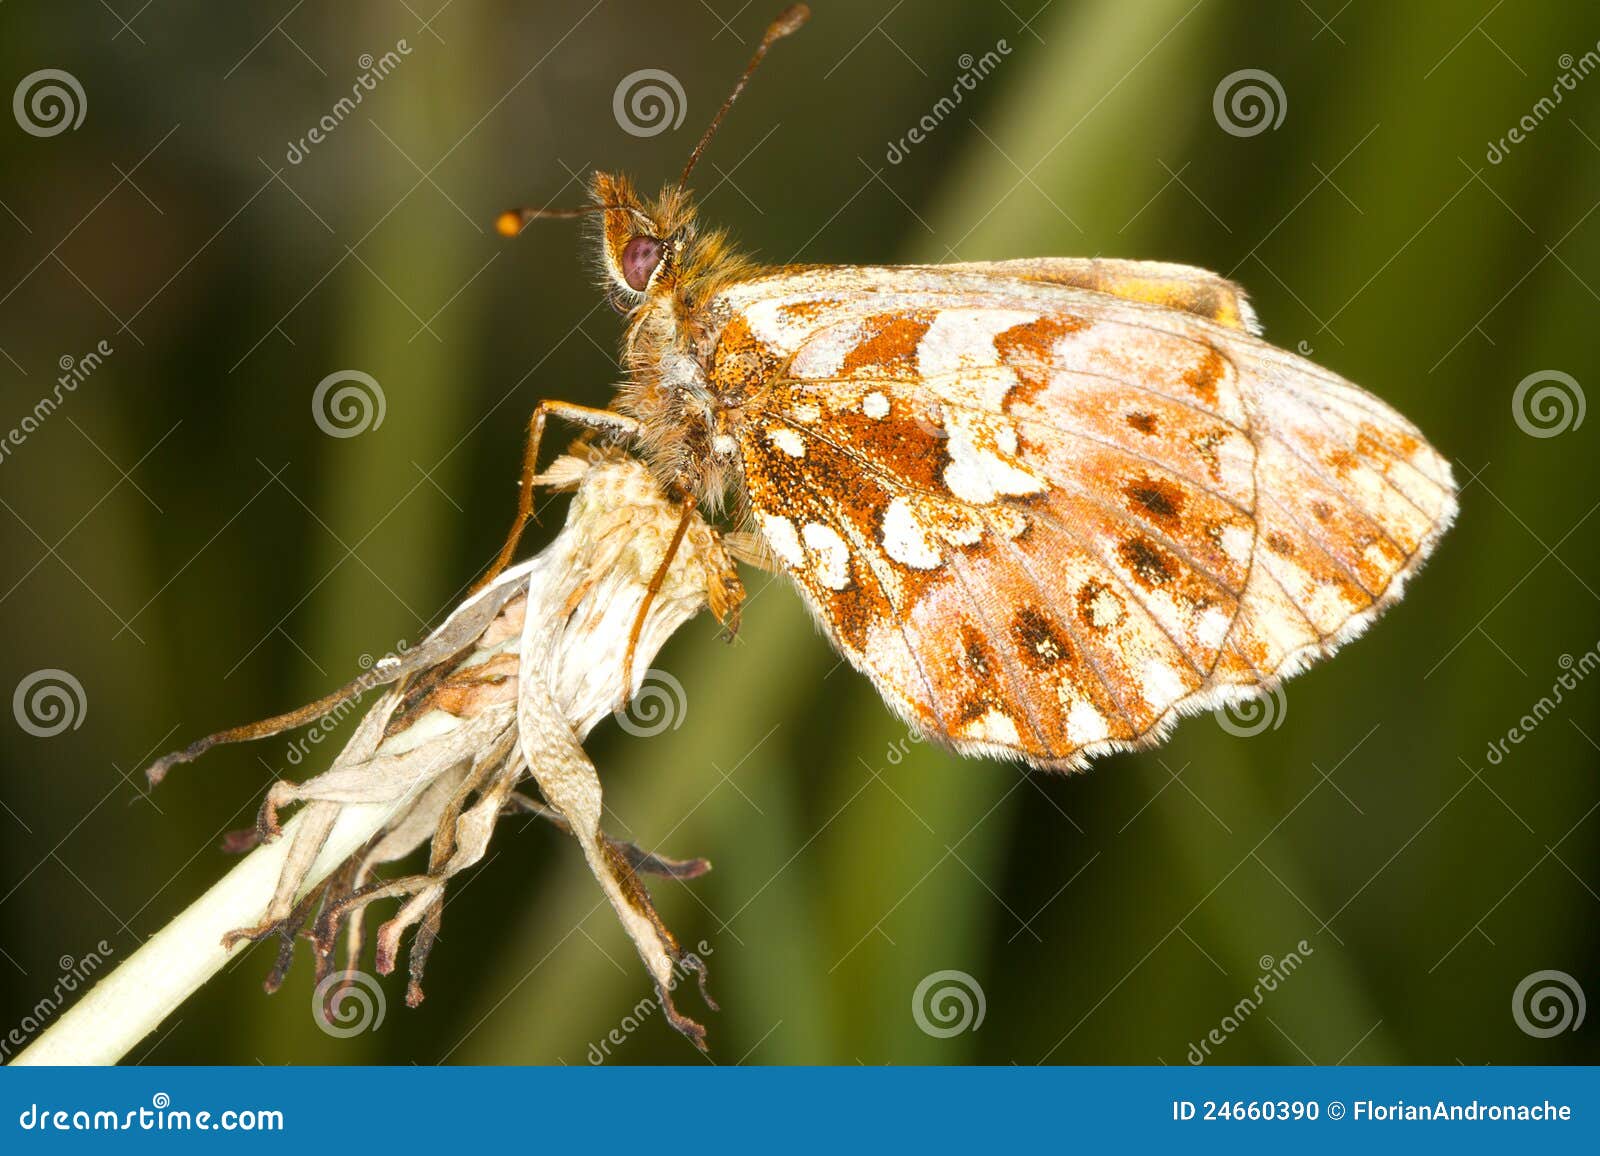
point(686, 515)
point(601, 420)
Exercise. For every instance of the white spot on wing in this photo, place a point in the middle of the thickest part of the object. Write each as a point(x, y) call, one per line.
point(1212, 628)
point(823, 354)
point(1085, 724)
point(1160, 685)
point(978, 474)
point(1327, 606)
point(1237, 542)
point(1105, 609)
point(993, 727)
point(905, 539)
point(787, 440)
point(831, 555)
point(875, 405)
point(964, 338)
point(778, 330)
point(782, 538)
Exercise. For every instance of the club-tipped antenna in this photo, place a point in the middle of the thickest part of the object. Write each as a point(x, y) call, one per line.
point(791, 19)
point(513, 221)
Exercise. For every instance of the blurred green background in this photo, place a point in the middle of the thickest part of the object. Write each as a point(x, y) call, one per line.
point(184, 541)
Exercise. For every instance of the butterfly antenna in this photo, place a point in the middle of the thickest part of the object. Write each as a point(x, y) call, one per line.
point(513, 221)
point(791, 19)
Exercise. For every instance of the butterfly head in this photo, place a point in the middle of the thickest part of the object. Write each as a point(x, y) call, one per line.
point(644, 245)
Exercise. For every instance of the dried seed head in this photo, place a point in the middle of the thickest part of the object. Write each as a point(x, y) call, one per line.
point(504, 691)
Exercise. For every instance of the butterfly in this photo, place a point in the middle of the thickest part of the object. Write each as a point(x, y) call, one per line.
point(1047, 506)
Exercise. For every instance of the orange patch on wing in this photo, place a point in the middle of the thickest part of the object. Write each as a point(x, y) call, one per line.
point(889, 347)
point(908, 446)
point(740, 363)
point(1028, 348)
point(1379, 444)
point(1034, 341)
point(1204, 377)
point(804, 312)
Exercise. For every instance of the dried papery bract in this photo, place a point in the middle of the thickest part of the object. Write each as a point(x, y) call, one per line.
point(503, 693)
point(546, 669)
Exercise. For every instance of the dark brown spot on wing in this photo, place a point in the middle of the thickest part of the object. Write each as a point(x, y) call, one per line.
point(1159, 499)
point(1038, 641)
point(854, 609)
point(1145, 423)
point(1279, 544)
point(979, 658)
point(1205, 445)
point(970, 711)
point(1150, 563)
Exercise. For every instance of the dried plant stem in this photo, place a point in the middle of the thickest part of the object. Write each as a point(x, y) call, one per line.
point(130, 1002)
point(546, 646)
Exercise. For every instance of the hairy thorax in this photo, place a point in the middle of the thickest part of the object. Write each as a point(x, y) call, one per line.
point(690, 382)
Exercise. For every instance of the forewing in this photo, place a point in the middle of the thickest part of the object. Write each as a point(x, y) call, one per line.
point(1046, 521)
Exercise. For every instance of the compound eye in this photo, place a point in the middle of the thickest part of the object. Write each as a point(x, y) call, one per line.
point(640, 256)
